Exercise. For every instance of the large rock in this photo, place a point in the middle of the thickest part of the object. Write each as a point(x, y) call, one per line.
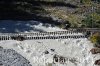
point(95, 50)
point(59, 59)
point(9, 57)
point(97, 62)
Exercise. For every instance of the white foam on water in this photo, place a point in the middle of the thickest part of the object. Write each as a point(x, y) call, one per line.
point(33, 50)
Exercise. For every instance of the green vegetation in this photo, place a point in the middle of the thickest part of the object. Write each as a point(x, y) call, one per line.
point(98, 11)
point(85, 1)
point(88, 22)
point(95, 38)
point(75, 17)
point(77, 13)
point(92, 21)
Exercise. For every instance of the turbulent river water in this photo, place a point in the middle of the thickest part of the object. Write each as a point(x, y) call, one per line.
point(76, 50)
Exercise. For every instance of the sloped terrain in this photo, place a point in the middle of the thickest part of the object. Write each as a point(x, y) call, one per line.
point(77, 13)
point(9, 57)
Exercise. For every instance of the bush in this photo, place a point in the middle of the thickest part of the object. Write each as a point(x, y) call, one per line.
point(85, 1)
point(88, 22)
point(92, 21)
point(95, 38)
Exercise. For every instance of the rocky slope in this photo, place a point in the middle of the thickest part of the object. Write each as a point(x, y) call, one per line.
point(71, 12)
point(9, 57)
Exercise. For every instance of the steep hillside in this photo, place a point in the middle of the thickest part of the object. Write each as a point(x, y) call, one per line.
point(73, 13)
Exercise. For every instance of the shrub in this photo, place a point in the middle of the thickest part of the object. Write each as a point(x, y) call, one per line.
point(85, 1)
point(92, 21)
point(88, 21)
point(95, 38)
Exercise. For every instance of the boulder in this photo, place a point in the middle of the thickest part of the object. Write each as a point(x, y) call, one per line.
point(52, 50)
point(19, 38)
point(46, 52)
point(95, 50)
point(59, 59)
point(10, 57)
point(97, 62)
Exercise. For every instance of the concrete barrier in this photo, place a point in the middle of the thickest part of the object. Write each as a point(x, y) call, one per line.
point(44, 35)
